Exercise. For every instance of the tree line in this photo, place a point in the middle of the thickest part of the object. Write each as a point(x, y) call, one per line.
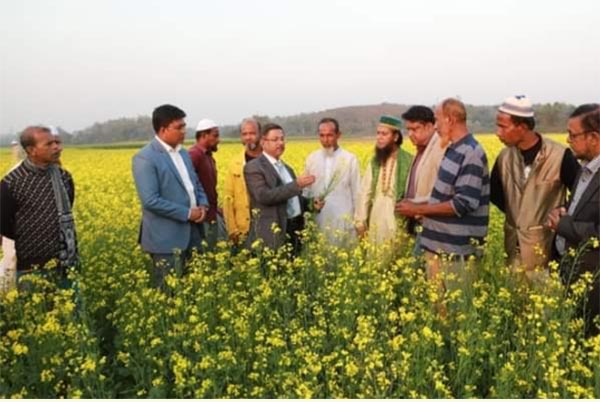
point(356, 121)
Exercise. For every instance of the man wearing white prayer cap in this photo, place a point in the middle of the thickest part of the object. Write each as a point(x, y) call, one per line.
point(201, 153)
point(529, 179)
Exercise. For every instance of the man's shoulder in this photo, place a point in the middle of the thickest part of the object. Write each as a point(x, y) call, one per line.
point(505, 152)
point(65, 173)
point(196, 151)
point(255, 164)
point(147, 150)
point(471, 145)
point(553, 146)
point(16, 173)
point(348, 155)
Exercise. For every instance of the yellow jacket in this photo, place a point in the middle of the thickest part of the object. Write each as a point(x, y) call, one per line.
point(236, 206)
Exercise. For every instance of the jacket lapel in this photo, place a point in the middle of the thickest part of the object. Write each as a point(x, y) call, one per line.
point(271, 173)
point(592, 188)
point(166, 159)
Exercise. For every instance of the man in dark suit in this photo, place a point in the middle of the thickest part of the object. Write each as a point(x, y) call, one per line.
point(275, 193)
point(579, 221)
point(173, 200)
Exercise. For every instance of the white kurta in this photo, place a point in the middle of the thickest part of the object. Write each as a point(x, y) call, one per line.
point(340, 172)
point(8, 263)
point(382, 221)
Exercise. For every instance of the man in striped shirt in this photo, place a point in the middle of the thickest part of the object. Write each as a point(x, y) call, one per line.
point(456, 218)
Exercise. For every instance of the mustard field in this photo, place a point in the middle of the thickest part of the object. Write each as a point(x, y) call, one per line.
point(351, 323)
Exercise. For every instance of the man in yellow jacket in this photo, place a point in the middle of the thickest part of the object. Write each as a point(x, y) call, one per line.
point(236, 205)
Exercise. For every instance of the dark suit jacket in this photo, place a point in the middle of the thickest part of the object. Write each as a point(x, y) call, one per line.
point(577, 228)
point(584, 223)
point(268, 196)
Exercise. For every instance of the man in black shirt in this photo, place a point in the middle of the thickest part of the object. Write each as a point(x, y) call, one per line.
point(529, 179)
point(36, 201)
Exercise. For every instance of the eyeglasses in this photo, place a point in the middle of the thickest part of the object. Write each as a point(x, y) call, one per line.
point(280, 139)
point(572, 136)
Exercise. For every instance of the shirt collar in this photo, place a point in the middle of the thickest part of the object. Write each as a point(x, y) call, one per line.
point(593, 165)
point(271, 159)
point(166, 146)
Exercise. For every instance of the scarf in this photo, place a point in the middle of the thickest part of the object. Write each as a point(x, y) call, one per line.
point(68, 255)
point(403, 162)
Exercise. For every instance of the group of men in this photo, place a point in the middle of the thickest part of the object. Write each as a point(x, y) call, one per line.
point(441, 195)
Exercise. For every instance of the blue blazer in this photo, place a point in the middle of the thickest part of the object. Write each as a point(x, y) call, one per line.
point(165, 201)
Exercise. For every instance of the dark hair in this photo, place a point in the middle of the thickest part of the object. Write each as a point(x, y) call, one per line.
point(269, 127)
point(164, 115)
point(27, 138)
point(418, 113)
point(584, 109)
point(332, 121)
point(528, 121)
point(591, 121)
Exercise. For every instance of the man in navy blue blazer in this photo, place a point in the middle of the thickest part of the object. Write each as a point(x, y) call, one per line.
point(173, 200)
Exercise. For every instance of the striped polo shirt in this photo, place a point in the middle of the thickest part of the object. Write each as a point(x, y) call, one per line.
point(463, 179)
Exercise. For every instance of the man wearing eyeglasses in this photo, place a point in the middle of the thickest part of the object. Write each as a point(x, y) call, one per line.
point(275, 193)
point(530, 178)
point(577, 223)
point(173, 200)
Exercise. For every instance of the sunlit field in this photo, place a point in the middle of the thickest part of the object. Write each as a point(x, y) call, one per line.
point(355, 323)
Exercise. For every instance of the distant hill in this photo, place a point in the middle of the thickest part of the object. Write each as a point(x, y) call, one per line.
point(362, 120)
point(354, 121)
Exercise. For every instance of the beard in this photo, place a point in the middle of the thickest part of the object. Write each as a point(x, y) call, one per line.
point(383, 154)
point(252, 146)
point(328, 151)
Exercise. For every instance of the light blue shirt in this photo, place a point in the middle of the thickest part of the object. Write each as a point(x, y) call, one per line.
point(293, 208)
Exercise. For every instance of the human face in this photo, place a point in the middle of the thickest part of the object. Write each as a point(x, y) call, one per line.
point(273, 143)
point(174, 133)
point(213, 139)
point(419, 133)
point(327, 135)
point(249, 136)
point(46, 150)
point(385, 137)
point(509, 133)
point(442, 122)
point(579, 140)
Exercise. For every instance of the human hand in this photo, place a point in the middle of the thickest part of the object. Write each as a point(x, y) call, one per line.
point(305, 180)
point(554, 217)
point(406, 208)
point(198, 214)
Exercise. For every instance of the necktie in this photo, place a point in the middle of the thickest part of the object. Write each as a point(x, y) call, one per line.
point(291, 208)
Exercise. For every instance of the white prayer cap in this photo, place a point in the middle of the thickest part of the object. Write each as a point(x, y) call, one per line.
point(53, 130)
point(205, 124)
point(518, 105)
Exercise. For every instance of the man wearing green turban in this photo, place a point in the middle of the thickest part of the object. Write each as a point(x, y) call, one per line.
point(383, 184)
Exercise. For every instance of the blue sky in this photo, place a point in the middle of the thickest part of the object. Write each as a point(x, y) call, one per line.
point(72, 63)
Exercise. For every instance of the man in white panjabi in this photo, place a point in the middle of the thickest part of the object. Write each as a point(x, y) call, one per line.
point(337, 185)
point(383, 184)
point(8, 263)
